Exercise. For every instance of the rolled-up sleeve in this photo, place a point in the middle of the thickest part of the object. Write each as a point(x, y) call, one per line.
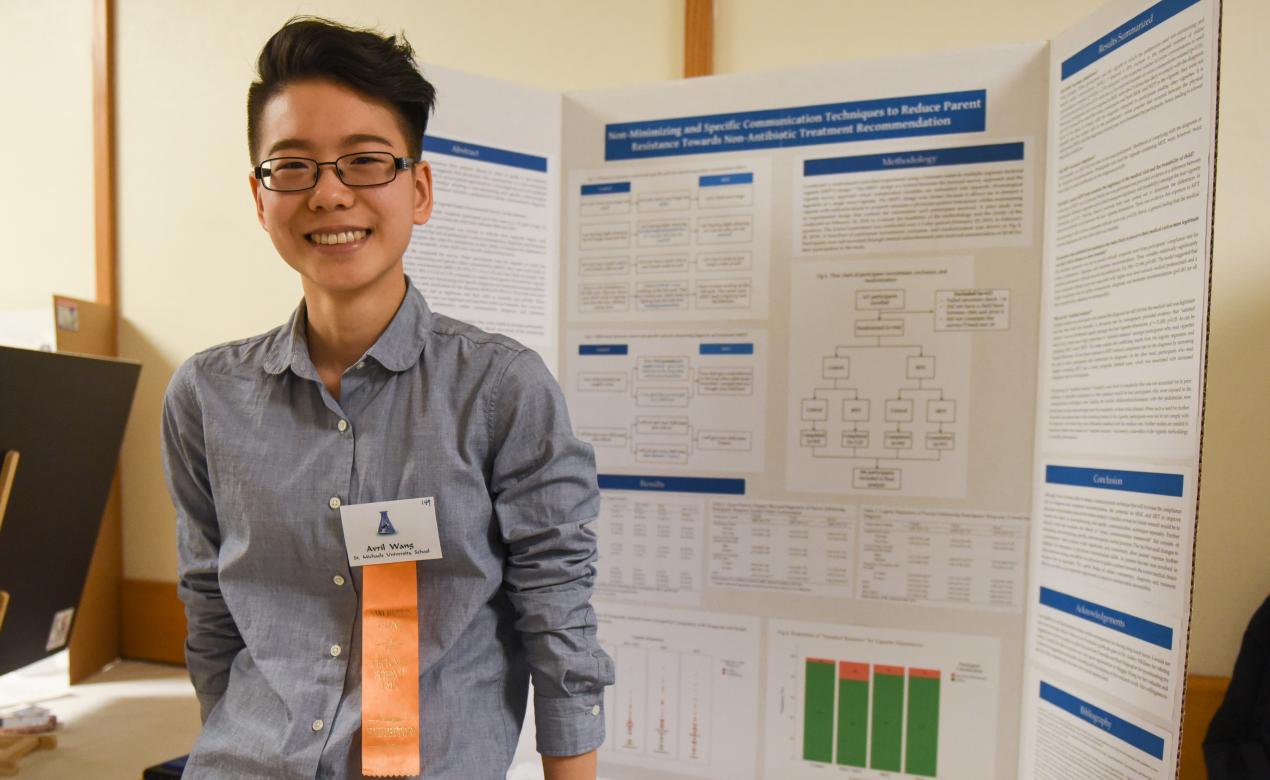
point(213, 638)
point(545, 497)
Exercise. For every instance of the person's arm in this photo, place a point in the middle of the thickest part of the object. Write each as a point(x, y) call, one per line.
point(213, 639)
point(581, 767)
point(545, 497)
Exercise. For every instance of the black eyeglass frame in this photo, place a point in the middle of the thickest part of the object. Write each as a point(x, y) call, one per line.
point(399, 164)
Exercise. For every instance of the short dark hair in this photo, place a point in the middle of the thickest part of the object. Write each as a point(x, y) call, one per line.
point(378, 66)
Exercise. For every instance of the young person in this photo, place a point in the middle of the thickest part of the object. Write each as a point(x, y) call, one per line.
point(363, 398)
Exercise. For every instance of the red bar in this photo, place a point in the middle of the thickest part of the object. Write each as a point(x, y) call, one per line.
point(848, 670)
point(927, 674)
point(894, 671)
point(829, 661)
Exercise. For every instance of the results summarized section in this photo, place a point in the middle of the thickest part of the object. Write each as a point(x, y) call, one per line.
point(686, 686)
point(683, 242)
point(943, 557)
point(879, 701)
point(879, 379)
point(782, 547)
point(669, 400)
point(650, 546)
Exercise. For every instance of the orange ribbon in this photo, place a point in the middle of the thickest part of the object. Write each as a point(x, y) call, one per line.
point(390, 670)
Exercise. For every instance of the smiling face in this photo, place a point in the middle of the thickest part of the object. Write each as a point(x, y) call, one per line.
point(342, 240)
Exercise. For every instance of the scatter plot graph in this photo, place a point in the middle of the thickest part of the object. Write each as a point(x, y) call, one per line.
point(686, 683)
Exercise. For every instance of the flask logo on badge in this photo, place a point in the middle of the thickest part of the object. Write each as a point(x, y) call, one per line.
point(385, 525)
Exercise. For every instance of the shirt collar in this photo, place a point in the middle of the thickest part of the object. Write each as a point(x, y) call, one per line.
point(397, 348)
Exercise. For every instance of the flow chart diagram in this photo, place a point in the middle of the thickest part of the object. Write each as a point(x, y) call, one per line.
point(880, 375)
point(685, 242)
point(667, 400)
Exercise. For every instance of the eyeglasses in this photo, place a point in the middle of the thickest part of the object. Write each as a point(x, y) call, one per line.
point(359, 169)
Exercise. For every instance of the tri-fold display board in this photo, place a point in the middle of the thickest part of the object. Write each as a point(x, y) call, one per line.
point(894, 373)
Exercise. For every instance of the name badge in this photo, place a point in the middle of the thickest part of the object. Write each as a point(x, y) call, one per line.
point(391, 531)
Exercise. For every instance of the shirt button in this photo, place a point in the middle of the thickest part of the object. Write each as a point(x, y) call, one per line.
point(318, 724)
point(334, 502)
point(361, 364)
point(595, 709)
point(335, 651)
point(337, 579)
point(342, 425)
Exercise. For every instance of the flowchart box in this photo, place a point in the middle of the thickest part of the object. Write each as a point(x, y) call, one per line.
point(725, 380)
point(725, 441)
point(920, 367)
point(879, 300)
point(897, 440)
point(855, 410)
point(941, 411)
point(600, 266)
point(813, 438)
point(662, 453)
point(723, 293)
point(972, 310)
point(604, 235)
point(836, 368)
point(605, 437)
point(814, 409)
point(662, 396)
point(736, 229)
point(855, 440)
point(662, 426)
point(661, 264)
point(898, 410)
point(663, 232)
point(662, 295)
point(870, 329)
point(876, 479)
point(668, 368)
point(941, 440)
point(669, 200)
point(725, 261)
point(602, 382)
point(600, 297)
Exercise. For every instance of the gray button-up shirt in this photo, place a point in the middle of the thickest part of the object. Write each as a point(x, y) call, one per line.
point(259, 456)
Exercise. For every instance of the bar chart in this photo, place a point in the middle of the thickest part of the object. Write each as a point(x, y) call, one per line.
point(879, 702)
point(871, 716)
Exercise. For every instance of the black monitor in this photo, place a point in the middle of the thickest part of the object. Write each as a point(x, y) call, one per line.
point(64, 416)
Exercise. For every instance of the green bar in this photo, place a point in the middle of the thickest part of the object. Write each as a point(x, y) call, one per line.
point(888, 719)
point(818, 712)
point(853, 722)
point(923, 726)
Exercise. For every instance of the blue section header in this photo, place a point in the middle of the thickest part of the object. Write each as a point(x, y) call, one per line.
point(1121, 729)
point(606, 189)
point(927, 158)
point(726, 179)
point(831, 123)
point(603, 349)
point(726, 349)
point(728, 487)
point(1156, 634)
point(489, 154)
point(1139, 25)
point(1109, 479)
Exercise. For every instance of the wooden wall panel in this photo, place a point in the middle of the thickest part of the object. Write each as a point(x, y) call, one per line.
point(1203, 696)
point(153, 627)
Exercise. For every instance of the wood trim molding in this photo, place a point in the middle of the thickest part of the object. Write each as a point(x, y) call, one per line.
point(104, 212)
point(698, 38)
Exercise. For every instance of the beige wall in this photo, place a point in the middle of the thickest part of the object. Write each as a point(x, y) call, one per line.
point(46, 195)
point(196, 269)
